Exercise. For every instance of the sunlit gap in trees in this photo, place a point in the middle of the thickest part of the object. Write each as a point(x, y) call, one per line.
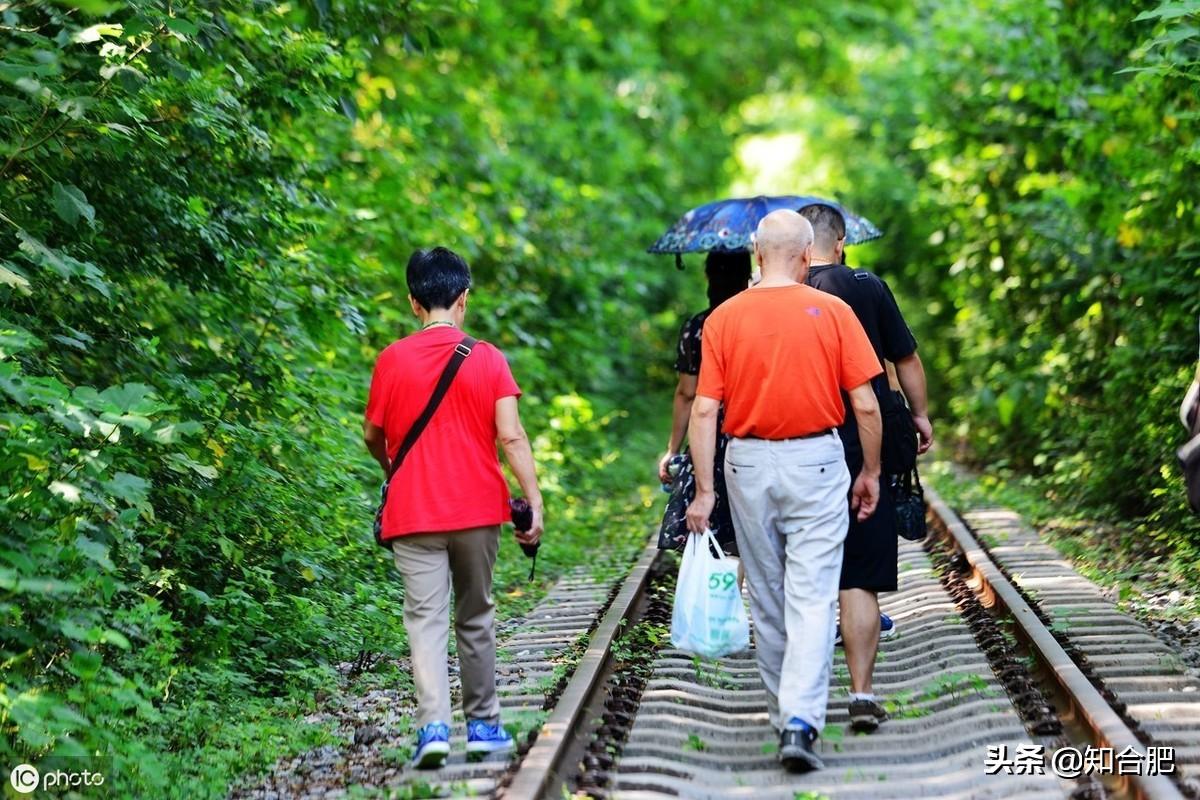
point(777, 155)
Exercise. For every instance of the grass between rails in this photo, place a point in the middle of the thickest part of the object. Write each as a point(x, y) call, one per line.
point(1135, 558)
point(598, 466)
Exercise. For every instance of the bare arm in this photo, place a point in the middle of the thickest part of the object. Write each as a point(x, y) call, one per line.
point(703, 425)
point(376, 442)
point(519, 456)
point(911, 374)
point(865, 494)
point(685, 393)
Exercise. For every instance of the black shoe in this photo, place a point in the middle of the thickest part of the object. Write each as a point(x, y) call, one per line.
point(865, 715)
point(796, 747)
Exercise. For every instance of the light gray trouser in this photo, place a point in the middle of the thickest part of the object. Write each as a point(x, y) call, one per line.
point(790, 519)
point(429, 563)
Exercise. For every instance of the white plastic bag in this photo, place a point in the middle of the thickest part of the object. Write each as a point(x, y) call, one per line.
point(709, 617)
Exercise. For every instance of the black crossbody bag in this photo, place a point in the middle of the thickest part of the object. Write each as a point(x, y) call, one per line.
point(461, 351)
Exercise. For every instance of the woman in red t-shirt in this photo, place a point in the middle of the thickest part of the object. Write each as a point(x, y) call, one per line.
point(448, 498)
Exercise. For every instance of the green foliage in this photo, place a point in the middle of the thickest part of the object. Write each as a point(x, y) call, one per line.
point(956, 686)
point(205, 209)
point(180, 502)
point(1033, 164)
point(1131, 559)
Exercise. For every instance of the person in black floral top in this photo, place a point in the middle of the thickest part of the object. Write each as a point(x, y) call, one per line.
point(728, 274)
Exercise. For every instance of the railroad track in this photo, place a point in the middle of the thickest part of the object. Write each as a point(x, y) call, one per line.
point(974, 677)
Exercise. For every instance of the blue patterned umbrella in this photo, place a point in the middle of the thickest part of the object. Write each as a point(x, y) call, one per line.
point(727, 224)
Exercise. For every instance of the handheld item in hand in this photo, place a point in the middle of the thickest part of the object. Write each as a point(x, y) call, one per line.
point(522, 520)
point(709, 617)
point(909, 499)
point(673, 532)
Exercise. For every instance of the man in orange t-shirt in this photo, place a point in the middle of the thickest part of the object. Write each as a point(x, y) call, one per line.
point(778, 355)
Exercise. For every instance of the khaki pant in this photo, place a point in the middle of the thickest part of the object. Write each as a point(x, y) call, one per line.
point(790, 517)
point(430, 563)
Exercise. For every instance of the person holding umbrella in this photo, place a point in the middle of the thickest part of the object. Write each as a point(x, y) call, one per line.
point(727, 274)
point(779, 356)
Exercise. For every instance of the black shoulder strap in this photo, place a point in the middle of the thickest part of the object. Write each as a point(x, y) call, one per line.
point(461, 351)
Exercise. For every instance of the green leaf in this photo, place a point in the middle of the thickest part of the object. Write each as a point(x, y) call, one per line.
point(130, 78)
point(135, 398)
point(181, 463)
point(64, 265)
point(15, 340)
point(109, 636)
point(74, 630)
point(70, 341)
point(137, 26)
point(14, 72)
point(182, 26)
point(172, 432)
point(130, 488)
point(1169, 11)
point(67, 491)
point(1006, 407)
point(94, 8)
point(135, 422)
point(96, 32)
point(84, 664)
point(75, 107)
point(9, 276)
point(71, 204)
point(27, 390)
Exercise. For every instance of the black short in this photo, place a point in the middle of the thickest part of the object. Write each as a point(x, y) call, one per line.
point(869, 557)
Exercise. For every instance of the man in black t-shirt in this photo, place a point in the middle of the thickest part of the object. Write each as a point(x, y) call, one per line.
point(869, 561)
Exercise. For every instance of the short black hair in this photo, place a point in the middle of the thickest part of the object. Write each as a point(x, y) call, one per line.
point(727, 273)
point(829, 226)
point(437, 277)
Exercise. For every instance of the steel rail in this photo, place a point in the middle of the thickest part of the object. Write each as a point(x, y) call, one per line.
point(1092, 709)
point(541, 771)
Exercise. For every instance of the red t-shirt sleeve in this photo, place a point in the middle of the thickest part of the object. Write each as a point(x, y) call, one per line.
point(377, 397)
point(503, 382)
point(712, 366)
point(859, 363)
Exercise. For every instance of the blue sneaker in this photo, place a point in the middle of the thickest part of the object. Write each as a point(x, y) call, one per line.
point(484, 738)
point(796, 747)
point(887, 629)
point(433, 745)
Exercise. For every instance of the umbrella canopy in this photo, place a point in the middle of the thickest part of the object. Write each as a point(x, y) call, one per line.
point(727, 224)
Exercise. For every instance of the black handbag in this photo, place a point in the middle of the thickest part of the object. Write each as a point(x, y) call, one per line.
point(461, 351)
point(909, 500)
point(1189, 458)
point(898, 449)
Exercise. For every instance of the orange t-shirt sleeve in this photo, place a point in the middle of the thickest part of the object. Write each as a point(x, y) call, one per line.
point(712, 366)
point(859, 363)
